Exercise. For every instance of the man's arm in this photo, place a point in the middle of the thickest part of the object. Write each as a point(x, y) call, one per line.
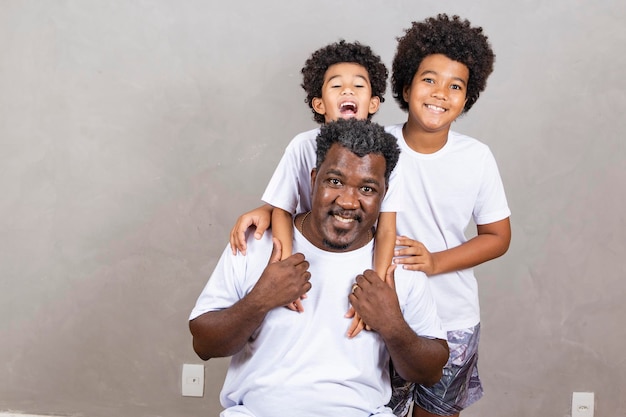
point(417, 359)
point(225, 332)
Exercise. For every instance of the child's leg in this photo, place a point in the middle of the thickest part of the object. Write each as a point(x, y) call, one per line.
point(460, 385)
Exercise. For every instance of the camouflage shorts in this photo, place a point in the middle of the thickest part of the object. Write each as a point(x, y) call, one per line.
point(459, 387)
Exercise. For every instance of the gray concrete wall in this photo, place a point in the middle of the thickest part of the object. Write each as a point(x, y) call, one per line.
point(133, 133)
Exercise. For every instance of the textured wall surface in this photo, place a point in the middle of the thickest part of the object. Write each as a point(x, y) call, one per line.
point(133, 133)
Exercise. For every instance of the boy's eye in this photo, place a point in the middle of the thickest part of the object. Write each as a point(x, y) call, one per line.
point(456, 87)
point(428, 80)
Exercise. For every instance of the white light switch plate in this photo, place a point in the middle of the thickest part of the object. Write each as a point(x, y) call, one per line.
point(193, 380)
point(582, 404)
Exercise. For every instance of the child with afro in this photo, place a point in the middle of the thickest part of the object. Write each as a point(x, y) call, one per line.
point(341, 80)
point(440, 68)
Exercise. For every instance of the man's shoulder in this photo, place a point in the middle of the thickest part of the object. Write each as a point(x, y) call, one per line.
point(410, 286)
point(407, 280)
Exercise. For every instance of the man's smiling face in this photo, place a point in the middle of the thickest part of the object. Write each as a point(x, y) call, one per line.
point(347, 193)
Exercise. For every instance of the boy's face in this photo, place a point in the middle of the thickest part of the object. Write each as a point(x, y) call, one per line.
point(437, 94)
point(346, 93)
point(347, 193)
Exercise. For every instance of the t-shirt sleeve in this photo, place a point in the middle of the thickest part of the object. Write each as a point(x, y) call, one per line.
point(419, 307)
point(221, 291)
point(290, 186)
point(491, 204)
point(394, 200)
point(234, 276)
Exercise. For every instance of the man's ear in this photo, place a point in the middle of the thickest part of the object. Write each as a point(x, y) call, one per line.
point(374, 104)
point(318, 106)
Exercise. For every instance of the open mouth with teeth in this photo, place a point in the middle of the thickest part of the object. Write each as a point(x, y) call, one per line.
point(346, 217)
point(343, 219)
point(348, 108)
point(435, 108)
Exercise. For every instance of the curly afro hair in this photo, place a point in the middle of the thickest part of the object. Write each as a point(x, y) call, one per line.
point(361, 137)
point(454, 38)
point(336, 53)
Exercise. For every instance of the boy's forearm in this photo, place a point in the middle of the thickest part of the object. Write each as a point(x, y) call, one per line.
point(383, 252)
point(385, 243)
point(282, 229)
point(491, 242)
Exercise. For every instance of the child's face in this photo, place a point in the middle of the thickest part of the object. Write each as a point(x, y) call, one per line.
point(346, 93)
point(437, 94)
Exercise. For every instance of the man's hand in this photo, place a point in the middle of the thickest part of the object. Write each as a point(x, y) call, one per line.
point(259, 217)
point(357, 323)
point(282, 282)
point(376, 300)
point(414, 256)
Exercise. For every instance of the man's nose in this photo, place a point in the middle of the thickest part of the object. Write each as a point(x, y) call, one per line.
point(348, 199)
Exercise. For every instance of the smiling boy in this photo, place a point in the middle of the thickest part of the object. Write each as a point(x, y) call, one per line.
point(440, 68)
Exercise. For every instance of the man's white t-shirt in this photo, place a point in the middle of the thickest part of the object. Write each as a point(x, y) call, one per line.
point(446, 190)
point(290, 186)
point(303, 364)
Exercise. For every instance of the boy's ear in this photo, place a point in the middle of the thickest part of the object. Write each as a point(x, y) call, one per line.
point(406, 93)
point(318, 105)
point(374, 104)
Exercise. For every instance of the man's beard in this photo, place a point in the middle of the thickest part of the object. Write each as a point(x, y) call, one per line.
point(333, 246)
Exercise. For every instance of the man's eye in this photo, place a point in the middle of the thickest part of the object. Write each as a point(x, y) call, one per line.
point(334, 181)
point(367, 190)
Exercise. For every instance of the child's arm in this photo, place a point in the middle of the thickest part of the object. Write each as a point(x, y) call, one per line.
point(492, 241)
point(259, 217)
point(384, 245)
point(282, 229)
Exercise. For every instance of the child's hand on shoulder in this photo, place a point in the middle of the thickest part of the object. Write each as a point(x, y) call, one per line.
point(259, 217)
point(413, 256)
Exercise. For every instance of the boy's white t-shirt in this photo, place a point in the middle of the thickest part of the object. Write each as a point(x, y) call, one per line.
point(303, 363)
point(290, 186)
point(446, 190)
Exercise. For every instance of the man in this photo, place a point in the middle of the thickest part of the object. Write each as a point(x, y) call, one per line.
point(288, 363)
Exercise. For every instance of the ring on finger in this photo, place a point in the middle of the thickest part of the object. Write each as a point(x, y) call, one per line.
point(354, 287)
